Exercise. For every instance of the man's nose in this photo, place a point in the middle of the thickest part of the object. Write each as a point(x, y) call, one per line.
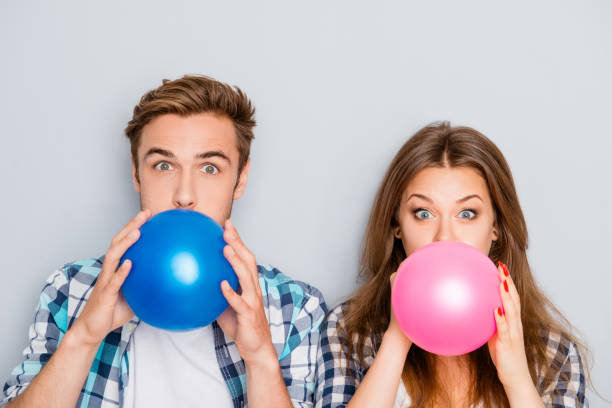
point(184, 196)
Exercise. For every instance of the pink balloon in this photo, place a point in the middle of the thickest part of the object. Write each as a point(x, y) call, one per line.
point(444, 297)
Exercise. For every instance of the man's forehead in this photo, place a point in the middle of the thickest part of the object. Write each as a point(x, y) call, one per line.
point(189, 137)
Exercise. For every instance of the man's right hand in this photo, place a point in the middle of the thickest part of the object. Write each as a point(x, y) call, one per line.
point(106, 309)
point(61, 379)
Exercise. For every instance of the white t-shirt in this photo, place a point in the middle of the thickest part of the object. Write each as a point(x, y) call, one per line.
point(174, 369)
point(402, 399)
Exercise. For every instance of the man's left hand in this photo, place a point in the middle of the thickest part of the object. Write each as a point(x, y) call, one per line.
point(245, 320)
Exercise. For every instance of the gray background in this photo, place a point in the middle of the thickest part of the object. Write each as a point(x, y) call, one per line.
point(338, 86)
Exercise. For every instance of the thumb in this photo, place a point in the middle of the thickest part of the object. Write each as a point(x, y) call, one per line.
point(392, 277)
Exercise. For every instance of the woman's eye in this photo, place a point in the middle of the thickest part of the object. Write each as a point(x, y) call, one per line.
point(210, 169)
point(467, 214)
point(422, 214)
point(163, 166)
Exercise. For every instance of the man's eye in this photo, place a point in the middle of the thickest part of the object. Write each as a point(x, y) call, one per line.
point(467, 214)
point(422, 214)
point(163, 166)
point(210, 169)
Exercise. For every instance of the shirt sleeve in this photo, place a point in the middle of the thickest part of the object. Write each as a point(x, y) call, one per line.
point(302, 316)
point(44, 335)
point(338, 376)
point(568, 388)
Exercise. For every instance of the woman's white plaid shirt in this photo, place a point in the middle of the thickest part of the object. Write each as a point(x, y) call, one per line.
point(338, 377)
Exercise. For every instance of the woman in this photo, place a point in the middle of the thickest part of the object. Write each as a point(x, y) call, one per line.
point(448, 183)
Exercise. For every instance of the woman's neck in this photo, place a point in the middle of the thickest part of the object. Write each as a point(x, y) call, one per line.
point(454, 376)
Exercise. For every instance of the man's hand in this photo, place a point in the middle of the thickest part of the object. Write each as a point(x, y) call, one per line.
point(106, 309)
point(246, 324)
point(245, 320)
point(61, 379)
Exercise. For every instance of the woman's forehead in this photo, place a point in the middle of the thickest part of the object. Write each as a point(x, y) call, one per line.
point(447, 183)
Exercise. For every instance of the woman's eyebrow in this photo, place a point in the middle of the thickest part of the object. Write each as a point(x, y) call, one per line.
point(424, 197)
point(468, 197)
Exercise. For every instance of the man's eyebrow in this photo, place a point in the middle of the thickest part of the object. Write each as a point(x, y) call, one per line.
point(203, 155)
point(157, 150)
point(213, 153)
point(424, 197)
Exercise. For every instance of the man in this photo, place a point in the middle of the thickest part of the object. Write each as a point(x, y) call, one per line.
point(190, 143)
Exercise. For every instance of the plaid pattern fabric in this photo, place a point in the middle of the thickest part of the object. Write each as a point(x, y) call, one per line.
point(338, 376)
point(294, 310)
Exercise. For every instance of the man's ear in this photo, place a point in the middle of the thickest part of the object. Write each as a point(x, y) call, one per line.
point(242, 180)
point(135, 178)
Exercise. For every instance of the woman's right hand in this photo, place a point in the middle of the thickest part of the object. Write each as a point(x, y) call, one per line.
point(381, 382)
point(394, 330)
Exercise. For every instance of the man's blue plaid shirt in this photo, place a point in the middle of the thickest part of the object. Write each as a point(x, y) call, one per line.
point(294, 310)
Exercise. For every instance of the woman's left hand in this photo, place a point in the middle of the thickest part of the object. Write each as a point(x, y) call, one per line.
point(507, 346)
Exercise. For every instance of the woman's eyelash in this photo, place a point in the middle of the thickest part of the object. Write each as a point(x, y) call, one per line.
point(417, 210)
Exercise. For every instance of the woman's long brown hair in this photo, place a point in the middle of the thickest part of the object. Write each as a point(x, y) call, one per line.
point(368, 309)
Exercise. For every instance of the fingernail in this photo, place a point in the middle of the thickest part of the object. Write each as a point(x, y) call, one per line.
point(506, 286)
point(133, 234)
point(499, 312)
point(230, 250)
point(505, 269)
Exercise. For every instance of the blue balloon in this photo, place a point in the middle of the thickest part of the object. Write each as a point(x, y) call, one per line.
point(177, 269)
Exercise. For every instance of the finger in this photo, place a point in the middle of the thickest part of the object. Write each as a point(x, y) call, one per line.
point(505, 274)
point(503, 330)
point(513, 290)
point(119, 277)
point(234, 299)
point(134, 223)
point(245, 254)
point(392, 278)
point(245, 278)
point(230, 235)
point(114, 254)
point(510, 308)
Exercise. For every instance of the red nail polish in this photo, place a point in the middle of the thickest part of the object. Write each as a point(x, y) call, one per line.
point(505, 269)
point(506, 286)
point(499, 312)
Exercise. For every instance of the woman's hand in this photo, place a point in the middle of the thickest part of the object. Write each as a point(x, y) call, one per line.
point(380, 384)
point(394, 330)
point(507, 346)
